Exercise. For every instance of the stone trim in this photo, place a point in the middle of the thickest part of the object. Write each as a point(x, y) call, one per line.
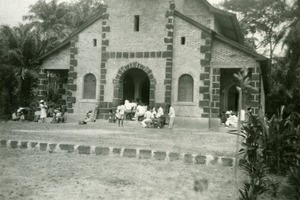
point(206, 49)
point(43, 81)
point(117, 82)
point(72, 75)
point(169, 53)
point(215, 101)
point(104, 44)
point(164, 156)
point(130, 54)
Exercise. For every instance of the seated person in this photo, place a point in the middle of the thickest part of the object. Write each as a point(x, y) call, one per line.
point(111, 116)
point(57, 115)
point(88, 117)
point(147, 119)
point(140, 111)
point(15, 116)
point(231, 120)
point(160, 119)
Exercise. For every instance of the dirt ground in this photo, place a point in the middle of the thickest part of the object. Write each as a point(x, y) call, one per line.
point(28, 174)
point(131, 135)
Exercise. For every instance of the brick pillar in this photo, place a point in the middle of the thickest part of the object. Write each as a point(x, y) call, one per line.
point(215, 100)
point(205, 75)
point(255, 96)
point(72, 76)
point(104, 57)
point(169, 52)
point(43, 81)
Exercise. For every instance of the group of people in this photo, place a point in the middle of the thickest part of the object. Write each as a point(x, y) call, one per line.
point(231, 119)
point(149, 116)
point(59, 113)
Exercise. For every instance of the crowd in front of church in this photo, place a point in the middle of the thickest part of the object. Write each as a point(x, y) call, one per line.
point(149, 117)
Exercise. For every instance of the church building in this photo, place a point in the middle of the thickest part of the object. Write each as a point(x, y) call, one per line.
point(178, 52)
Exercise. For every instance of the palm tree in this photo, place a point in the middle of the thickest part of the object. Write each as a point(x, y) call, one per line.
point(20, 45)
point(50, 18)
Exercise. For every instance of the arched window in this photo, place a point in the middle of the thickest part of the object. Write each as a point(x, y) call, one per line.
point(185, 88)
point(89, 87)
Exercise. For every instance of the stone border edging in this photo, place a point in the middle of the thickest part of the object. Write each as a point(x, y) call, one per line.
point(123, 152)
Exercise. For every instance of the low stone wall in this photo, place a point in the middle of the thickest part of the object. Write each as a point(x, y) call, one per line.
point(117, 151)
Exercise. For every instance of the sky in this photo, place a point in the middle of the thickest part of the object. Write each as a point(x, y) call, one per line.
point(11, 11)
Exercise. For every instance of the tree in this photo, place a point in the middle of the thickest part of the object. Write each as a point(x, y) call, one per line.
point(82, 10)
point(50, 18)
point(262, 17)
point(286, 71)
point(18, 77)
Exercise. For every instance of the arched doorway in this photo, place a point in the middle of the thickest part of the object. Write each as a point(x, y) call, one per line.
point(136, 84)
point(232, 98)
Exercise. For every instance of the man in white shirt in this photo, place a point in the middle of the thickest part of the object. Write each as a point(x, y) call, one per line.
point(160, 119)
point(147, 119)
point(171, 116)
point(140, 111)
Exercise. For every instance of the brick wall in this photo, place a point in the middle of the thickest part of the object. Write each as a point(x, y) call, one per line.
point(226, 56)
point(89, 61)
point(58, 60)
point(187, 60)
point(195, 10)
point(231, 59)
point(152, 31)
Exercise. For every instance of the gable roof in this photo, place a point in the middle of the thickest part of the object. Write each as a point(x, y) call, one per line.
point(220, 37)
point(228, 23)
point(265, 63)
point(65, 42)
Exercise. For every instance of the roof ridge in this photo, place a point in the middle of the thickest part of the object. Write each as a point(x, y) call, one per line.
point(89, 21)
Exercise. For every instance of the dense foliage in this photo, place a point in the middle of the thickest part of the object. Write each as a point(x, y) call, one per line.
point(46, 25)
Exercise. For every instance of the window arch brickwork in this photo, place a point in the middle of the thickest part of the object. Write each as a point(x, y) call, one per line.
point(186, 88)
point(89, 86)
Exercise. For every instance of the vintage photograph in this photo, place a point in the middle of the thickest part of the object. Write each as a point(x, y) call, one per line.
point(150, 99)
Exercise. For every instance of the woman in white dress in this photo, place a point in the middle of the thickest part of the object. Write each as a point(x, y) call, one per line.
point(43, 108)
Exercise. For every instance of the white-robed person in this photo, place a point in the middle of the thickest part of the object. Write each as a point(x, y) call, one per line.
point(231, 120)
point(147, 119)
point(140, 111)
point(43, 108)
point(171, 116)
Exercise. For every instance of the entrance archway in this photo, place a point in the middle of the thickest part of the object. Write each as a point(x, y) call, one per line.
point(134, 81)
point(232, 98)
point(136, 84)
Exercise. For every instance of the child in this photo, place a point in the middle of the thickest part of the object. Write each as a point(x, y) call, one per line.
point(120, 114)
point(111, 117)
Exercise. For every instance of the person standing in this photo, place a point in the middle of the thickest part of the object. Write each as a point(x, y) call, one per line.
point(171, 116)
point(120, 114)
point(43, 108)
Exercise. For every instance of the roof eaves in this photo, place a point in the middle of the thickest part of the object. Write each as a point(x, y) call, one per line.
point(89, 22)
point(232, 16)
point(193, 22)
point(240, 47)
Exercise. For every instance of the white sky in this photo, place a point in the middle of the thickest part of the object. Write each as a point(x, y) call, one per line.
point(11, 11)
